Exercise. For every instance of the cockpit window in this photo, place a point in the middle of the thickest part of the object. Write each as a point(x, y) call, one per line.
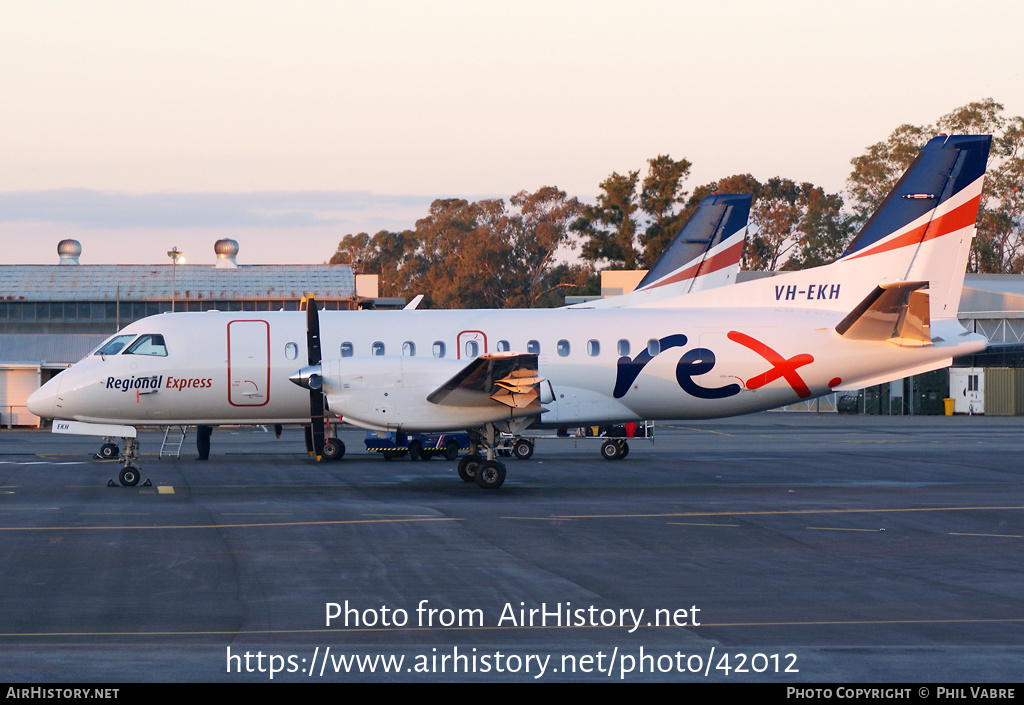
point(114, 345)
point(148, 345)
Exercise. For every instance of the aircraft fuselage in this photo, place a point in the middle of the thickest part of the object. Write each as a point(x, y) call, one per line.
point(600, 365)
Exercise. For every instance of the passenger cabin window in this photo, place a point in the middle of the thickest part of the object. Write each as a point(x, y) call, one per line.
point(409, 349)
point(623, 348)
point(346, 349)
point(438, 348)
point(533, 347)
point(563, 348)
point(653, 347)
point(114, 345)
point(472, 349)
point(148, 345)
point(291, 351)
point(503, 346)
point(377, 348)
point(593, 348)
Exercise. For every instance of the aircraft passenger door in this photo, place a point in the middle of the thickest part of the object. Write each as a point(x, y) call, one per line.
point(248, 363)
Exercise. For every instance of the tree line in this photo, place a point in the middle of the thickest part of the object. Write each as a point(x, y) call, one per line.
point(495, 253)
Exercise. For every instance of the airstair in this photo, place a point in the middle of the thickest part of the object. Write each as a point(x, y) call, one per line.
point(174, 439)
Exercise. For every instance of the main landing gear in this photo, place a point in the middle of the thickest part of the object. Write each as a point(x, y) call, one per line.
point(334, 449)
point(487, 472)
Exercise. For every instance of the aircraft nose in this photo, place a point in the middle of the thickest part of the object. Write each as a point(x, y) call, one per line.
point(310, 377)
point(43, 401)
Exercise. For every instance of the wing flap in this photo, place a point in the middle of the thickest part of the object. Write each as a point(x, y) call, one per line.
point(510, 379)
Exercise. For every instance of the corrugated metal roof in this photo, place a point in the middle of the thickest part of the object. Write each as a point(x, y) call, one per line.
point(47, 348)
point(192, 282)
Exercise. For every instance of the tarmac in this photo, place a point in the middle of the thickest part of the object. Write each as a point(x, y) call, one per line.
point(778, 547)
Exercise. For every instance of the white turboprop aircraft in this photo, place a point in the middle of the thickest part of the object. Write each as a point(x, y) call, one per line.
point(885, 310)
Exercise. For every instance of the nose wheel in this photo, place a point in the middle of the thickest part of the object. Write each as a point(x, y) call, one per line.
point(130, 475)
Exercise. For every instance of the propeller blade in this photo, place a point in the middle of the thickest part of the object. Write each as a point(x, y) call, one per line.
point(312, 332)
point(316, 398)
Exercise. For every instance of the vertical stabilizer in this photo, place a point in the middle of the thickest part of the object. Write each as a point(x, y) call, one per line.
point(704, 255)
point(924, 228)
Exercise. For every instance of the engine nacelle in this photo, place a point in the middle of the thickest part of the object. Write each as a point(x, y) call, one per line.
point(390, 393)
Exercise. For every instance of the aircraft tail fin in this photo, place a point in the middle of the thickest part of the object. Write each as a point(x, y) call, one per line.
point(924, 228)
point(711, 242)
point(705, 254)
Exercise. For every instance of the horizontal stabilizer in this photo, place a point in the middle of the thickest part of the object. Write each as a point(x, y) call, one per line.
point(506, 378)
point(897, 311)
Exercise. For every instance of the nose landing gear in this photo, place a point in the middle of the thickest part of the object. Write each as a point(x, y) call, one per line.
point(130, 475)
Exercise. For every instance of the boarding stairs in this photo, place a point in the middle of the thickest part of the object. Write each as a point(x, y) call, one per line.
point(174, 439)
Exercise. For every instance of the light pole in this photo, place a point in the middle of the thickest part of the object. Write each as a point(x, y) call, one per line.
point(176, 257)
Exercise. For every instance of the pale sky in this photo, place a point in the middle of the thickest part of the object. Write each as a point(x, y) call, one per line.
point(138, 126)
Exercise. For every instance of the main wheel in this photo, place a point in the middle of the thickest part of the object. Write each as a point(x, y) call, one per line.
point(610, 450)
point(522, 449)
point(415, 450)
point(468, 467)
point(334, 449)
point(129, 476)
point(451, 450)
point(490, 475)
point(109, 450)
point(624, 449)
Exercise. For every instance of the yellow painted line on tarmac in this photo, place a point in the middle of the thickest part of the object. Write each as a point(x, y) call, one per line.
point(29, 509)
point(164, 489)
point(115, 514)
point(537, 518)
point(256, 514)
point(995, 536)
point(780, 512)
point(693, 523)
point(399, 516)
point(699, 430)
point(170, 527)
point(836, 528)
